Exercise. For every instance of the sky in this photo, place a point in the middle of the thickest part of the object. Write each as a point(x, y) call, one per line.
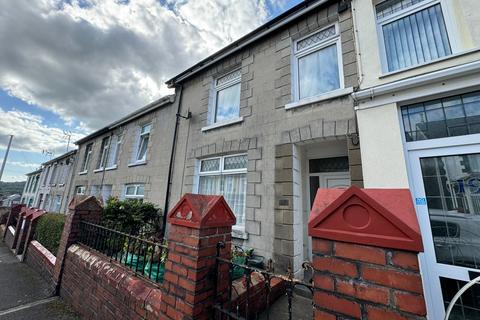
point(70, 67)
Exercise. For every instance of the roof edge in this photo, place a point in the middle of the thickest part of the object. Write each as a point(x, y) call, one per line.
point(130, 117)
point(251, 37)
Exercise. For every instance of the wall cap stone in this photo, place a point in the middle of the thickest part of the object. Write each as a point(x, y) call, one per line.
point(378, 217)
point(201, 211)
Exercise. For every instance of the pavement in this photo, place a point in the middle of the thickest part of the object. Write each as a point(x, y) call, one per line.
point(25, 295)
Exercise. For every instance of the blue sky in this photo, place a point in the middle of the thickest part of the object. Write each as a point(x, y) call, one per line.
point(79, 64)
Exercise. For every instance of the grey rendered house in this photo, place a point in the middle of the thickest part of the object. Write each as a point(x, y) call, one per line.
point(129, 158)
point(54, 183)
point(30, 193)
point(272, 120)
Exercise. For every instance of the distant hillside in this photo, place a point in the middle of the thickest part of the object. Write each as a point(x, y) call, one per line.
point(9, 188)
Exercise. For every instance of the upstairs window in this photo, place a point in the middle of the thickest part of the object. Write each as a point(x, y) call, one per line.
point(87, 156)
point(114, 152)
point(102, 158)
point(411, 32)
point(317, 67)
point(227, 98)
point(144, 137)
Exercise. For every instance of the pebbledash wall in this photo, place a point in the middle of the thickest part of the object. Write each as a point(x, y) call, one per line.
point(274, 136)
point(151, 173)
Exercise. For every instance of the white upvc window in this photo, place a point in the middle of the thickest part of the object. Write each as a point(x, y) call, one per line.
point(226, 176)
point(134, 191)
point(317, 64)
point(115, 144)
point(102, 158)
point(86, 157)
point(54, 174)
point(141, 152)
point(80, 190)
point(225, 103)
point(101, 192)
point(58, 203)
point(412, 32)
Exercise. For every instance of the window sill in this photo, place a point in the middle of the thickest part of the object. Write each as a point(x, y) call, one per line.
point(111, 168)
point(98, 170)
point(426, 64)
point(83, 173)
point(239, 233)
point(222, 124)
point(138, 163)
point(326, 96)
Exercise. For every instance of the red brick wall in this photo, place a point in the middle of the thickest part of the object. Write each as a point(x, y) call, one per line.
point(100, 289)
point(41, 260)
point(365, 282)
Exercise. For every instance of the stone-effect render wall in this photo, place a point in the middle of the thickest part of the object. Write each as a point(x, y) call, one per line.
point(153, 174)
point(265, 89)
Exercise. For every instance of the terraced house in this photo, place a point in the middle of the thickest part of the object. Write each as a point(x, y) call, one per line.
point(418, 111)
point(271, 121)
point(129, 158)
point(29, 193)
point(54, 183)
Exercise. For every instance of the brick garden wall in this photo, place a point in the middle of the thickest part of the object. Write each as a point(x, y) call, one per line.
point(365, 282)
point(100, 289)
point(9, 237)
point(41, 260)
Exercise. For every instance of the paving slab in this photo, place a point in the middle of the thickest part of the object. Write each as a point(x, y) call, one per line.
point(55, 309)
point(24, 294)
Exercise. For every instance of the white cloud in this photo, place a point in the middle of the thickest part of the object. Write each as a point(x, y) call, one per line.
point(95, 60)
point(31, 134)
point(22, 164)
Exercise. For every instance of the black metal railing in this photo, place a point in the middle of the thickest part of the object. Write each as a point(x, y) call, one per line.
point(226, 307)
point(145, 258)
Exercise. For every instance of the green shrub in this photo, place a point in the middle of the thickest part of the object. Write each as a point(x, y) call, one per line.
point(132, 216)
point(49, 231)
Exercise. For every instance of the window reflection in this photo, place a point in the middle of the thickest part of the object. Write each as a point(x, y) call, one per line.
point(452, 188)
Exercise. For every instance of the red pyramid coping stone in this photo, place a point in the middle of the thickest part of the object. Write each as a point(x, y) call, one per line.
point(197, 211)
point(379, 217)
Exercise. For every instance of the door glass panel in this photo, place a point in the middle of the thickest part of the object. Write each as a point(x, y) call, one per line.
point(467, 306)
point(452, 188)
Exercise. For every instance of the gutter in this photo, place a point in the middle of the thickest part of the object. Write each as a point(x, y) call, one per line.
point(172, 159)
point(436, 76)
point(239, 44)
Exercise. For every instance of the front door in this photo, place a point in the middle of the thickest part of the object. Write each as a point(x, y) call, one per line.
point(446, 189)
point(328, 180)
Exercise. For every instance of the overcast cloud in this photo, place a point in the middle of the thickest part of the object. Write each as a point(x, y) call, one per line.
point(95, 60)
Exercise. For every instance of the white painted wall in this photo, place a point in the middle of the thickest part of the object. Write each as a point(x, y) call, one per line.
point(464, 17)
point(383, 159)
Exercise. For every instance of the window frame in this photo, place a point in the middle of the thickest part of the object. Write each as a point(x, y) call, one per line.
point(104, 150)
point(87, 156)
point(298, 54)
point(116, 152)
point(222, 172)
point(135, 196)
point(79, 188)
point(217, 88)
point(140, 141)
point(449, 26)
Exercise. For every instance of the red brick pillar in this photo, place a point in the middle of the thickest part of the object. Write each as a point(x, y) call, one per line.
point(14, 211)
point(80, 208)
point(197, 224)
point(365, 247)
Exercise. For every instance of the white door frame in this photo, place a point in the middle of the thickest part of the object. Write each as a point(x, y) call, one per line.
point(430, 269)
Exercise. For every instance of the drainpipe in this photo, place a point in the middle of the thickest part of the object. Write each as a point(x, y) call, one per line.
point(172, 159)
